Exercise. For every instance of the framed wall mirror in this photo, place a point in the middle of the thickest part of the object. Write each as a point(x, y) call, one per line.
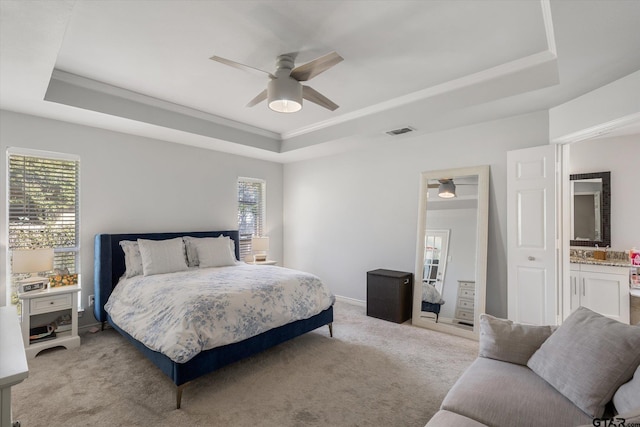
point(451, 250)
point(591, 209)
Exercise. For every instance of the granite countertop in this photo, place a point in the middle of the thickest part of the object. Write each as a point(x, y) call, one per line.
point(593, 261)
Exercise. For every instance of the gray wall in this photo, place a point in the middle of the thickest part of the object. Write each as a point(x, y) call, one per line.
point(337, 216)
point(135, 184)
point(621, 156)
point(351, 213)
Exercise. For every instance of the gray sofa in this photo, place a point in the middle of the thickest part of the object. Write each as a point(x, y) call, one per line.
point(584, 373)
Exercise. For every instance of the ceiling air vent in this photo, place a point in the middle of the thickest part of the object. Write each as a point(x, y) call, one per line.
point(400, 131)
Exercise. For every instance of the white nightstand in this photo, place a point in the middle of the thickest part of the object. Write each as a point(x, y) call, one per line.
point(62, 299)
point(267, 262)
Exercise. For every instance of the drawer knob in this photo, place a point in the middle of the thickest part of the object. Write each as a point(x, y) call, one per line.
point(51, 302)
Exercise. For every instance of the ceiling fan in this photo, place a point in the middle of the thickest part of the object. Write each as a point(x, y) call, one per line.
point(284, 93)
point(446, 187)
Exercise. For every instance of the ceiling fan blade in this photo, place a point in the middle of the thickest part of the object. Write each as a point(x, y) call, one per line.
point(258, 99)
point(316, 97)
point(311, 69)
point(240, 66)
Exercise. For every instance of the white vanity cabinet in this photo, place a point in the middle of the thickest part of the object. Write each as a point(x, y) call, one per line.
point(601, 288)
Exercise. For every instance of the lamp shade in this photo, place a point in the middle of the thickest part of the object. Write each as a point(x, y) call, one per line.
point(259, 244)
point(32, 260)
point(447, 189)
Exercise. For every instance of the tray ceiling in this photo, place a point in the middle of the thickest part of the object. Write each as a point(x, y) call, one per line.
point(144, 68)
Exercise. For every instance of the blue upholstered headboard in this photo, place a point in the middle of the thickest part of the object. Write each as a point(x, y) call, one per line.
point(109, 260)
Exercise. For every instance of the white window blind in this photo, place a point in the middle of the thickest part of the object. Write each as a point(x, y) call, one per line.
point(251, 211)
point(43, 205)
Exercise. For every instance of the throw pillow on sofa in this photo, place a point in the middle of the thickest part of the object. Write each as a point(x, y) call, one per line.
point(587, 358)
point(627, 398)
point(504, 340)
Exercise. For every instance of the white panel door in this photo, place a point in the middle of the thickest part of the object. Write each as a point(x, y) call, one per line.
point(532, 180)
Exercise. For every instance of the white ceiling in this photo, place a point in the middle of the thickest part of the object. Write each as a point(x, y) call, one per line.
point(143, 67)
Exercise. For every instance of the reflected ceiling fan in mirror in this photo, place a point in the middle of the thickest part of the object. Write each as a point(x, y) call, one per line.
point(446, 187)
point(284, 93)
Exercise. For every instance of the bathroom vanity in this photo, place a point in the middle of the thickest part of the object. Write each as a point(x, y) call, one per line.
point(602, 286)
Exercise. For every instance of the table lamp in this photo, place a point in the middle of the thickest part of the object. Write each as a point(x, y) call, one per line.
point(32, 261)
point(259, 247)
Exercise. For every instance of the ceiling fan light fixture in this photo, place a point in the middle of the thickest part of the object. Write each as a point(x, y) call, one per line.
point(284, 95)
point(447, 189)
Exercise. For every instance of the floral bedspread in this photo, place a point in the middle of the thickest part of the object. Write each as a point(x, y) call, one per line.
point(181, 314)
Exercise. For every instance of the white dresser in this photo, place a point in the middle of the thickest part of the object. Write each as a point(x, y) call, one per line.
point(465, 302)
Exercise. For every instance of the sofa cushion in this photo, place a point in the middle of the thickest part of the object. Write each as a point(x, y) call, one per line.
point(510, 342)
point(499, 393)
point(627, 398)
point(588, 358)
point(446, 418)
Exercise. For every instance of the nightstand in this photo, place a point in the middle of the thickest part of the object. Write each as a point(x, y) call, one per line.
point(52, 302)
point(267, 262)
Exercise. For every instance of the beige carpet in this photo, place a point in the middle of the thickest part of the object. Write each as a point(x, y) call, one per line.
point(372, 373)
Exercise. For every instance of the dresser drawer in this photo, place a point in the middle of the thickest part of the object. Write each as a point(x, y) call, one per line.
point(465, 303)
point(51, 303)
point(464, 315)
point(466, 285)
point(467, 293)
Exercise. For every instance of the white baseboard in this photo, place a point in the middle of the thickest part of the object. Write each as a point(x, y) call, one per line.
point(351, 301)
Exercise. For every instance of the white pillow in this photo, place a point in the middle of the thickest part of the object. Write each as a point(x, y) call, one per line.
point(192, 252)
point(214, 251)
point(162, 256)
point(132, 258)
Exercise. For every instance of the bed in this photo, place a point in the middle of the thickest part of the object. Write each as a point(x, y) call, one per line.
point(431, 299)
point(110, 267)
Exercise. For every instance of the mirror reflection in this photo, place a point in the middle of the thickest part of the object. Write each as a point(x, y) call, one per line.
point(590, 198)
point(436, 249)
point(451, 258)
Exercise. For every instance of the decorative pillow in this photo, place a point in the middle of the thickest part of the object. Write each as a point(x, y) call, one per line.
point(192, 252)
point(627, 398)
point(132, 258)
point(214, 251)
point(162, 256)
point(504, 340)
point(588, 358)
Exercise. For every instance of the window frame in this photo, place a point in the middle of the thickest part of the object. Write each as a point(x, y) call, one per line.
point(245, 238)
point(11, 293)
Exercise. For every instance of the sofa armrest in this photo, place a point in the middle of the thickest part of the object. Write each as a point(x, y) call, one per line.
point(504, 340)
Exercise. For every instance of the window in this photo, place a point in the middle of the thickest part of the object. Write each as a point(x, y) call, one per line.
point(43, 207)
point(251, 211)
